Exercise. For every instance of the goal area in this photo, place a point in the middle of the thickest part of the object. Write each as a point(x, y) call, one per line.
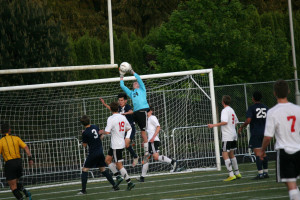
point(46, 118)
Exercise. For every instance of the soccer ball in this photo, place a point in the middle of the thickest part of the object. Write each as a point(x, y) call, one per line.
point(125, 67)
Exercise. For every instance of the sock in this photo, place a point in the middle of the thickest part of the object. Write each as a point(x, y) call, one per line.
point(266, 171)
point(164, 159)
point(113, 168)
point(265, 163)
point(260, 171)
point(108, 177)
point(131, 151)
point(259, 163)
point(294, 194)
point(17, 194)
point(22, 189)
point(84, 178)
point(146, 147)
point(235, 166)
point(229, 167)
point(145, 169)
point(124, 174)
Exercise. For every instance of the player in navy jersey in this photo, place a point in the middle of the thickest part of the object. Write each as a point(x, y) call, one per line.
point(256, 117)
point(125, 109)
point(96, 158)
point(140, 107)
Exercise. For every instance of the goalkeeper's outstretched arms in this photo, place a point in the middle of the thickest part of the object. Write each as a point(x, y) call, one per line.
point(124, 88)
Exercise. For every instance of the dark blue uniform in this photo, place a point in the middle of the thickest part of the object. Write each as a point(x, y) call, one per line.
point(96, 156)
point(130, 119)
point(258, 114)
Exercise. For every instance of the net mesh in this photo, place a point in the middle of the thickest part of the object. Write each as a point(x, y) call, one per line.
point(48, 121)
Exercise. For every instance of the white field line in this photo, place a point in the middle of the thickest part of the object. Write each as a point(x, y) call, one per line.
point(108, 188)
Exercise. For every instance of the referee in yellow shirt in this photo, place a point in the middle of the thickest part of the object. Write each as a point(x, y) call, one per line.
point(10, 150)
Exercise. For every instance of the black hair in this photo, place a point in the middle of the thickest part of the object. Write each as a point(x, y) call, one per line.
point(85, 120)
point(5, 128)
point(122, 95)
point(257, 96)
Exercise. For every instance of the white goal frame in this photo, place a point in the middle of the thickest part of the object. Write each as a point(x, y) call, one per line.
point(144, 77)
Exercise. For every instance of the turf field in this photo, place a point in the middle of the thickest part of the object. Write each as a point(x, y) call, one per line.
point(196, 185)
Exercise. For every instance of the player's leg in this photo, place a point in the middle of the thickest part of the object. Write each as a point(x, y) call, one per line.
point(13, 173)
point(84, 179)
point(130, 148)
point(155, 151)
point(101, 165)
point(21, 188)
point(141, 118)
point(112, 166)
point(293, 190)
point(123, 171)
point(228, 164)
point(233, 147)
point(259, 165)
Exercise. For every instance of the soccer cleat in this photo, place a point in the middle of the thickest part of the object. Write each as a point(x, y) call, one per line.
point(28, 195)
point(258, 177)
point(81, 192)
point(239, 176)
point(130, 186)
point(119, 179)
point(116, 188)
point(230, 178)
point(266, 175)
point(141, 179)
point(174, 165)
point(135, 161)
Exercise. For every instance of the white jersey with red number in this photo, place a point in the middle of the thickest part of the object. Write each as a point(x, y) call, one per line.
point(151, 127)
point(228, 131)
point(283, 121)
point(117, 124)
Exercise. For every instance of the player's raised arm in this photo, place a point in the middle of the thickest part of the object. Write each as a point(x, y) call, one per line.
point(124, 88)
point(103, 102)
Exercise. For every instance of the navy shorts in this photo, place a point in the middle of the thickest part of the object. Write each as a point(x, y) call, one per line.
point(154, 147)
point(256, 141)
point(13, 169)
point(287, 169)
point(140, 117)
point(228, 146)
point(94, 161)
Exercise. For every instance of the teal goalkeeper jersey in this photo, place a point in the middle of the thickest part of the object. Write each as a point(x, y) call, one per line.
point(138, 96)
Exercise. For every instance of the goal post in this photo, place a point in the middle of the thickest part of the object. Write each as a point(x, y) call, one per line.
point(46, 117)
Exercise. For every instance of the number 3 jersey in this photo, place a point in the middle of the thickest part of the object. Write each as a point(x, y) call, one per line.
point(117, 125)
point(92, 138)
point(258, 114)
point(228, 131)
point(283, 121)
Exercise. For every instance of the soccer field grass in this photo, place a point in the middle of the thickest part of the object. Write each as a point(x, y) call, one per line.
point(195, 185)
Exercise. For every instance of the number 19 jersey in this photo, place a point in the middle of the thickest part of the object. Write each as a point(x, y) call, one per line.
point(283, 121)
point(117, 124)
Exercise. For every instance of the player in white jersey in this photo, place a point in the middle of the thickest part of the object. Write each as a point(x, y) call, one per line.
point(283, 121)
point(229, 138)
point(117, 125)
point(153, 128)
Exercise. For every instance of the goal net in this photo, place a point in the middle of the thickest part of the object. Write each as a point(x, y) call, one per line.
point(47, 116)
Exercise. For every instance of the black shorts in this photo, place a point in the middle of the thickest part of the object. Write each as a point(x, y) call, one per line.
point(288, 166)
point(132, 136)
point(140, 117)
point(94, 161)
point(117, 154)
point(154, 147)
point(13, 169)
point(228, 146)
point(256, 141)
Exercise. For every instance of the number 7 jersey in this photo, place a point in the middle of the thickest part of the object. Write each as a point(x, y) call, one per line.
point(283, 121)
point(117, 125)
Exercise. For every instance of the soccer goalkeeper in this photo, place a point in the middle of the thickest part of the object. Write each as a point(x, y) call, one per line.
point(140, 106)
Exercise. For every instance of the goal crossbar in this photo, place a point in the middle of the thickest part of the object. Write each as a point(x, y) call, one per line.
point(96, 81)
point(57, 69)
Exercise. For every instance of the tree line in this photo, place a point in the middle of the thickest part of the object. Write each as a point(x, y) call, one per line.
point(241, 41)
